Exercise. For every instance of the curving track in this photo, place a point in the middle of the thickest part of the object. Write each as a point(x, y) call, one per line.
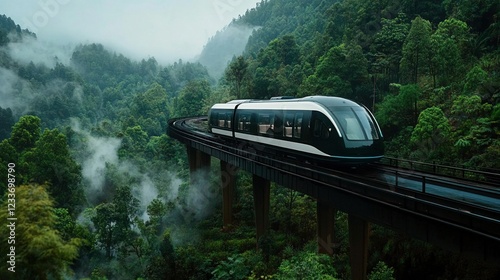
point(403, 196)
point(475, 196)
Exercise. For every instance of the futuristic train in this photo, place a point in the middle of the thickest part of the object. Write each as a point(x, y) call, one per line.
point(318, 128)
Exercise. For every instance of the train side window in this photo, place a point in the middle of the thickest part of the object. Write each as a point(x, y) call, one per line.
point(224, 120)
point(229, 117)
point(266, 123)
point(288, 125)
point(297, 128)
point(220, 118)
point(244, 122)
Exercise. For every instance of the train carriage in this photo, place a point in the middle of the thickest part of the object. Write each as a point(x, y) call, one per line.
point(319, 128)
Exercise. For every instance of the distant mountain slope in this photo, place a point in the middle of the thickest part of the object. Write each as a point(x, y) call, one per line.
point(8, 26)
point(262, 24)
point(303, 19)
point(321, 24)
point(221, 48)
point(399, 58)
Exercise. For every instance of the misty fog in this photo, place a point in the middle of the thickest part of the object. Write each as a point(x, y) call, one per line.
point(167, 30)
point(38, 77)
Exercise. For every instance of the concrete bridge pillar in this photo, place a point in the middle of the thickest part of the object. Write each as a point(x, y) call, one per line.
point(197, 159)
point(228, 184)
point(359, 231)
point(199, 165)
point(326, 222)
point(261, 195)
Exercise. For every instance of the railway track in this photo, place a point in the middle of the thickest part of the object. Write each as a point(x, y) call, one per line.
point(419, 206)
point(473, 196)
point(402, 167)
point(402, 201)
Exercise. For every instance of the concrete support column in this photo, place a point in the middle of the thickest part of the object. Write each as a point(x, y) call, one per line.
point(326, 222)
point(261, 195)
point(192, 159)
point(228, 185)
point(198, 161)
point(359, 231)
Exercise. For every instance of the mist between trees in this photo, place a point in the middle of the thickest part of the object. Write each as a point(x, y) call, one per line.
point(85, 126)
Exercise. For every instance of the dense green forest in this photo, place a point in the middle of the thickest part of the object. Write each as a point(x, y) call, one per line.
point(104, 193)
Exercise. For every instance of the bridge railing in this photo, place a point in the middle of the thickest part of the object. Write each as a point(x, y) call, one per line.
point(491, 177)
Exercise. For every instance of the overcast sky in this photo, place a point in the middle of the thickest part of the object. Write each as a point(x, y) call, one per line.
point(165, 29)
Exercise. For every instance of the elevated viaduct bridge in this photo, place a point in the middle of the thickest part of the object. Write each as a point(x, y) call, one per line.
point(454, 214)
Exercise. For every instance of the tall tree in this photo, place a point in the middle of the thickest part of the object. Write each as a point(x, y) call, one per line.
point(25, 132)
point(6, 122)
point(388, 44)
point(105, 226)
point(416, 51)
point(40, 251)
point(275, 67)
point(235, 74)
point(190, 99)
point(449, 49)
point(152, 104)
point(432, 134)
point(474, 79)
point(340, 72)
point(432, 125)
point(473, 125)
point(134, 142)
point(113, 221)
point(50, 161)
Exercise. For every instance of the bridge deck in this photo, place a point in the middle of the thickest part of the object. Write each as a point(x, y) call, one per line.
point(454, 225)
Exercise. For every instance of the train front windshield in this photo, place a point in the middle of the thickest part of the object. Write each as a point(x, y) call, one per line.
point(356, 123)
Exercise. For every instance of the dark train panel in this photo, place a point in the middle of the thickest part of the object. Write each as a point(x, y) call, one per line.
point(320, 128)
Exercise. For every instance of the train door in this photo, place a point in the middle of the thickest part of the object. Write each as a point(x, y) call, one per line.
point(323, 134)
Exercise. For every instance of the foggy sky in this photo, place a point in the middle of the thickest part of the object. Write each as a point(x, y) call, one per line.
point(165, 29)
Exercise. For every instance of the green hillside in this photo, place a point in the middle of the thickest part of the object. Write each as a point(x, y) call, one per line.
point(398, 58)
point(106, 194)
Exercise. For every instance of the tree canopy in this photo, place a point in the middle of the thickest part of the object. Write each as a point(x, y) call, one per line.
point(107, 193)
point(41, 252)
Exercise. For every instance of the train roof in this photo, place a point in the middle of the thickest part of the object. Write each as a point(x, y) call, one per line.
point(330, 101)
point(290, 103)
point(324, 100)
